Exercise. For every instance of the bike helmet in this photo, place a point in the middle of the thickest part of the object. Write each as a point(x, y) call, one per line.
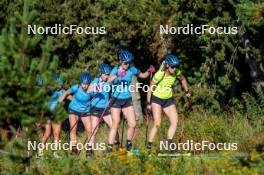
point(125, 56)
point(172, 60)
point(58, 79)
point(105, 69)
point(85, 78)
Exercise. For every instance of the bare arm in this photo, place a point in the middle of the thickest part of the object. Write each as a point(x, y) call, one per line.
point(70, 97)
point(144, 75)
point(185, 85)
point(152, 85)
point(184, 82)
point(66, 93)
point(111, 78)
point(91, 88)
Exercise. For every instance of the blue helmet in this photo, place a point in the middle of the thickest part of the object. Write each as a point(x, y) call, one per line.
point(58, 79)
point(85, 78)
point(105, 69)
point(125, 56)
point(172, 60)
point(40, 82)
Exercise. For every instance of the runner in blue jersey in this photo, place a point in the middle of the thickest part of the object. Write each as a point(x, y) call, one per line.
point(79, 108)
point(99, 104)
point(51, 121)
point(121, 100)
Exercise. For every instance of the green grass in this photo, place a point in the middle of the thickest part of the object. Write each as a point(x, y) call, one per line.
point(197, 126)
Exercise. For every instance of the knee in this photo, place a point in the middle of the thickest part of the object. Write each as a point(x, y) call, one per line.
point(89, 131)
point(174, 124)
point(73, 131)
point(157, 124)
point(56, 134)
point(114, 127)
point(47, 133)
point(73, 128)
point(132, 125)
point(94, 127)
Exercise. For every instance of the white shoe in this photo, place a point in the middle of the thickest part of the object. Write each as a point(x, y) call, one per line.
point(40, 153)
point(56, 155)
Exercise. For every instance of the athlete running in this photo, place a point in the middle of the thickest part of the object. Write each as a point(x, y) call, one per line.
point(121, 100)
point(79, 108)
point(99, 105)
point(162, 96)
point(51, 122)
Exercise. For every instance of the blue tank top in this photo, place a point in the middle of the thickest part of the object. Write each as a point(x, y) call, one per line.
point(81, 99)
point(55, 96)
point(121, 85)
point(101, 96)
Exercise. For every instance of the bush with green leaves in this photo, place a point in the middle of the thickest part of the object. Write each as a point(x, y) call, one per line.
point(25, 60)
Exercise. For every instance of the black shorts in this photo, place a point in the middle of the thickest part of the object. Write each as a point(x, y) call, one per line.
point(99, 111)
point(120, 103)
point(50, 116)
point(162, 102)
point(79, 114)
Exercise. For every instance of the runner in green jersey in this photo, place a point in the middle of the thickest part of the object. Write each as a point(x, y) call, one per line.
point(161, 98)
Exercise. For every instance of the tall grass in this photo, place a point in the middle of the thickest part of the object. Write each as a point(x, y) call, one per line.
point(230, 127)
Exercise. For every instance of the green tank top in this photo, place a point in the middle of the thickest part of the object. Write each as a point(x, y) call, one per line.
point(164, 83)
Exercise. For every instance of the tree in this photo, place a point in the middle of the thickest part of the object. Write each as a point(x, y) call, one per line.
point(213, 63)
point(25, 60)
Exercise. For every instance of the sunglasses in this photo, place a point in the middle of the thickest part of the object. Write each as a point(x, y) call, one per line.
point(173, 67)
point(125, 63)
point(86, 83)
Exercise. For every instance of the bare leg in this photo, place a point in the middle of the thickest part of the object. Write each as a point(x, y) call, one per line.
point(130, 115)
point(94, 121)
point(87, 125)
point(156, 110)
point(73, 119)
point(56, 126)
point(87, 122)
point(172, 114)
point(47, 132)
point(115, 113)
point(109, 122)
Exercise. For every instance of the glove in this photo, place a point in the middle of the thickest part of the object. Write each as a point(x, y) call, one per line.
point(37, 125)
point(162, 66)
point(151, 69)
point(149, 110)
point(98, 88)
point(188, 94)
point(121, 74)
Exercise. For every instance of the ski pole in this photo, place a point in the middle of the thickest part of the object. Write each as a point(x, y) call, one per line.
point(101, 117)
point(148, 112)
point(122, 134)
point(147, 125)
point(77, 121)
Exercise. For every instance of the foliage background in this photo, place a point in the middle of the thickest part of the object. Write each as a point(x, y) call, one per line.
point(225, 72)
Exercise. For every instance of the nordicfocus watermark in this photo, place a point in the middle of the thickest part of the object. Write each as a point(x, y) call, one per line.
point(58, 29)
point(124, 87)
point(35, 146)
point(190, 29)
point(190, 145)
